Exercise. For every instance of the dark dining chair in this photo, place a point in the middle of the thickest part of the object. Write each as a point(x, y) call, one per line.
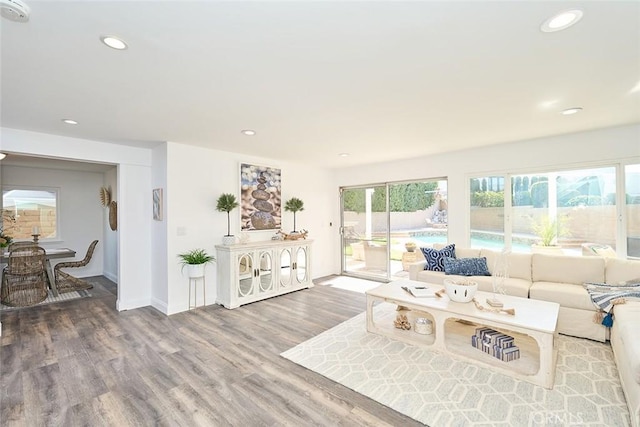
point(24, 279)
point(65, 282)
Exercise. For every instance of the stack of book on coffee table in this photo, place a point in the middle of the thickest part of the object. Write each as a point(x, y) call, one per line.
point(499, 345)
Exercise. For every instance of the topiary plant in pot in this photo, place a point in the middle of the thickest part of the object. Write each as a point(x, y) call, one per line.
point(294, 205)
point(195, 260)
point(226, 203)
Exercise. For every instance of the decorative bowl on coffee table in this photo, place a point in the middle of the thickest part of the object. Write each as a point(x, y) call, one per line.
point(460, 290)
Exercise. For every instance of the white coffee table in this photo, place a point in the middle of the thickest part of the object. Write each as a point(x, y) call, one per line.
point(533, 327)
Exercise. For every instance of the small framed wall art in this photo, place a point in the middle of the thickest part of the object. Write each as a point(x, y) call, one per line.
point(157, 204)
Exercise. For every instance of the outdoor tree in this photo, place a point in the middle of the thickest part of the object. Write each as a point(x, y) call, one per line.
point(354, 200)
point(410, 197)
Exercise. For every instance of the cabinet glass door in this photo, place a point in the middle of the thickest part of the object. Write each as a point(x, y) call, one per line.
point(266, 271)
point(246, 274)
point(301, 265)
point(285, 267)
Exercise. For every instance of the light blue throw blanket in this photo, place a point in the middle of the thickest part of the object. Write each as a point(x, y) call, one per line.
point(605, 296)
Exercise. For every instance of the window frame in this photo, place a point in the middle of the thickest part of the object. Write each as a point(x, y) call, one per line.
point(54, 190)
point(620, 209)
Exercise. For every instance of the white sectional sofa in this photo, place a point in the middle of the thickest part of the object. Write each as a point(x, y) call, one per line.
point(560, 278)
point(626, 349)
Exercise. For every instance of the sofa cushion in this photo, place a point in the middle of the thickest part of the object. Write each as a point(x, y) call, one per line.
point(435, 257)
point(565, 294)
point(567, 269)
point(466, 266)
point(467, 253)
point(620, 271)
point(436, 277)
point(519, 265)
point(512, 285)
point(627, 318)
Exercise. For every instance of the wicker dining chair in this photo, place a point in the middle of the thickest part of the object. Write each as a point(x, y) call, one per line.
point(24, 279)
point(65, 282)
point(15, 245)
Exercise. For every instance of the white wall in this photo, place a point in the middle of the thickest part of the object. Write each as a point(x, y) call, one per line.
point(159, 253)
point(605, 146)
point(134, 235)
point(134, 200)
point(197, 176)
point(81, 214)
point(109, 242)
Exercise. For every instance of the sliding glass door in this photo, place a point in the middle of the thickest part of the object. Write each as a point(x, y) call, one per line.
point(384, 226)
point(632, 202)
point(365, 232)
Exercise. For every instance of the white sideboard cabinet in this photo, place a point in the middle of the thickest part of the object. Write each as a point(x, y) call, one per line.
point(254, 271)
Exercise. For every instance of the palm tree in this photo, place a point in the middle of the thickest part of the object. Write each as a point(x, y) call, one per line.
point(226, 203)
point(294, 205)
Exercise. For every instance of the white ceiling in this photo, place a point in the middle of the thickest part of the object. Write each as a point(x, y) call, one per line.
point(379, 80)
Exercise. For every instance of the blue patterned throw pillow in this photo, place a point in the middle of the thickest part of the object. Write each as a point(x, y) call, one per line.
point(466, 266)
point(435, 258)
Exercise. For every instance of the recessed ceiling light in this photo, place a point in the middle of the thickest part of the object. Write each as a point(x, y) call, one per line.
point(14, 10)
point(548, 104)
point(69, 121)
point(113, 42)
point(570, 111)
point(248, 132)
point(2, 156)
point(344, 154)
point(561, 21)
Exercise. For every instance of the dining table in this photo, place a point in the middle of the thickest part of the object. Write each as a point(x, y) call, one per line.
point(50, 253)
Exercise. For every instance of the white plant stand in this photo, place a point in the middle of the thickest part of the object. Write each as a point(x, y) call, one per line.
point(193, 282)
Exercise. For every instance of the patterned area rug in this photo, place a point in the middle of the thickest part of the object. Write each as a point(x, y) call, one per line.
point(67, 296)
point(438, 390)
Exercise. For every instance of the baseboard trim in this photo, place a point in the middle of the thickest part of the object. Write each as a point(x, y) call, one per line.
point(110, 276)
point(130, 305)
point(159, 305)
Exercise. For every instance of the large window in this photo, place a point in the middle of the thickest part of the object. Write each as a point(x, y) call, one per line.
point(562, 209)
point(487, 212)
point(632, 200)
point(28, 211)
point(567, 208)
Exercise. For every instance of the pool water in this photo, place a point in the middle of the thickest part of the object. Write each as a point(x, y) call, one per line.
point(477, 242)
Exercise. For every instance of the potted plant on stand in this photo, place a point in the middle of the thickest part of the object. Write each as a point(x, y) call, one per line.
point(294, 205)
point(226, 203)
point(195, 260)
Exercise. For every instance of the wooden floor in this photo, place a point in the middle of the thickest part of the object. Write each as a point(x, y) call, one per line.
point(82, 363)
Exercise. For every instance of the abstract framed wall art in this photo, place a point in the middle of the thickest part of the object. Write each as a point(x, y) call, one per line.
point(260, 198)
point(157, 204)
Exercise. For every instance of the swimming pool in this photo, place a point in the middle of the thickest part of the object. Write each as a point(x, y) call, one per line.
point(477, 242)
